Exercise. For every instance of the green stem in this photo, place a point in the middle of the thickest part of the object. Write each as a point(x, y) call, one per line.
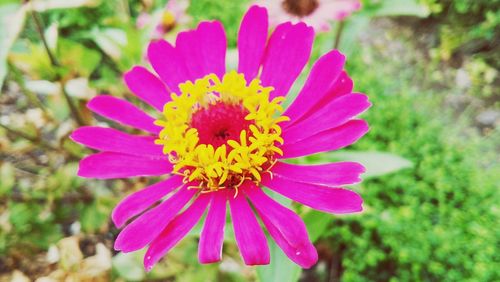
point(74, 111)
point(338, 34)
point(39, 28)
point(126, 8)
point(35, 140)
point(34, 100)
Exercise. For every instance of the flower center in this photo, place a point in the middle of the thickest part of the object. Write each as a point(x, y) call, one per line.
point(300, 8)
point(220, 122)
point(167, 22)
point(219, 133)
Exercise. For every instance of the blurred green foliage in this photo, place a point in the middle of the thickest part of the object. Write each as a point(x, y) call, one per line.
point(468, 27)
point(228, 12)
point(434, 221)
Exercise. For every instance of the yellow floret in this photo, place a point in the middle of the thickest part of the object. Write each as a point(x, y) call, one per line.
point(225, 166)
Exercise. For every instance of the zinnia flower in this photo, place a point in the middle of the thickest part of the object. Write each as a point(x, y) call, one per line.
point(316, 13)
point(174, 14)
point(220, 137)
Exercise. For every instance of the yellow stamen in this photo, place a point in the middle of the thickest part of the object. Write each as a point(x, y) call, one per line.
point(230, 164)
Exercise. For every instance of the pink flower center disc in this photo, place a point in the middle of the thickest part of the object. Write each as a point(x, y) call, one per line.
point(218, 123)
point(300, 8)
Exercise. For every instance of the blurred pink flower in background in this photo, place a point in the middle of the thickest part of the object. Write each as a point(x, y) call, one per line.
point(316, 13)
point(174, 14)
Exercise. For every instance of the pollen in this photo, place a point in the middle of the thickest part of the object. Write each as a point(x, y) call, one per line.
point(219, 133)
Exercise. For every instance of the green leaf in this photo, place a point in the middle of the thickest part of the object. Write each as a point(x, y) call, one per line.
point(94, 216)
point(376, 163)
point(12, 18)
point(316, 223)
point(353, 28)
point(46, 5)
point(281, 267)
point(111, 41)
point(77, 57)
point(129, 267)
point(7, 178)
point(401, 8)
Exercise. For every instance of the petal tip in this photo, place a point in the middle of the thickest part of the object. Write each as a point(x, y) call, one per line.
point(149, 262)
point(93, 103)
point(82, 168)
point(117, 221)
point(207, 260)
point(257, 9)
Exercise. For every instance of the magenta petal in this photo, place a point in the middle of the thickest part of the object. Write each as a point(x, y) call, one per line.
point(252, 41)
point(112, 140)
point(324, 73)
point(329, 140)
point(250, 238)
point(106, 165)
point(286, 227)
point(175, 231)
point(342, 86)
point(168, 64)
point(122, 112)
point(213, 45)
point(187, 46)
point(306, 255)
point(327, 199)
point(203, 49)
point(286, 54)
point(332, 174)
point(212, 235)
point(331, 115)
point(147, 87)
point(137, 202)
point(146, 227)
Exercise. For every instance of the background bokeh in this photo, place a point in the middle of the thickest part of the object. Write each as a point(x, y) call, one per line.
point(430, 68)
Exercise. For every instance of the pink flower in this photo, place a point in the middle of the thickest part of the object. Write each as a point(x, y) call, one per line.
point(316, 13)
point(174, 14)
point(220, 137)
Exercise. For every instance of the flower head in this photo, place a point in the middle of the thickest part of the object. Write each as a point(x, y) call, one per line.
point(220, 137)
point(316, 13)
point(173, 15)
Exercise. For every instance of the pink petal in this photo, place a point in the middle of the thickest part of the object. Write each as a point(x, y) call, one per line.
point(203, 49)
point(332, 139)
point(286, 54)
point(168, 64)
point(333, 114)
point(323, 75)
point(252, 39)
point(342, 86)
point(175, 231)
point(146, 227)
point(250, 238)
point(286, 227)
point(327, 199)
point(214, 45)
point(332, 174)
point(137, 202)
point(340, 9)
point(147, 87)
point(122, 112)
point(106, 165)
point(212, 235)
point(112, 140)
